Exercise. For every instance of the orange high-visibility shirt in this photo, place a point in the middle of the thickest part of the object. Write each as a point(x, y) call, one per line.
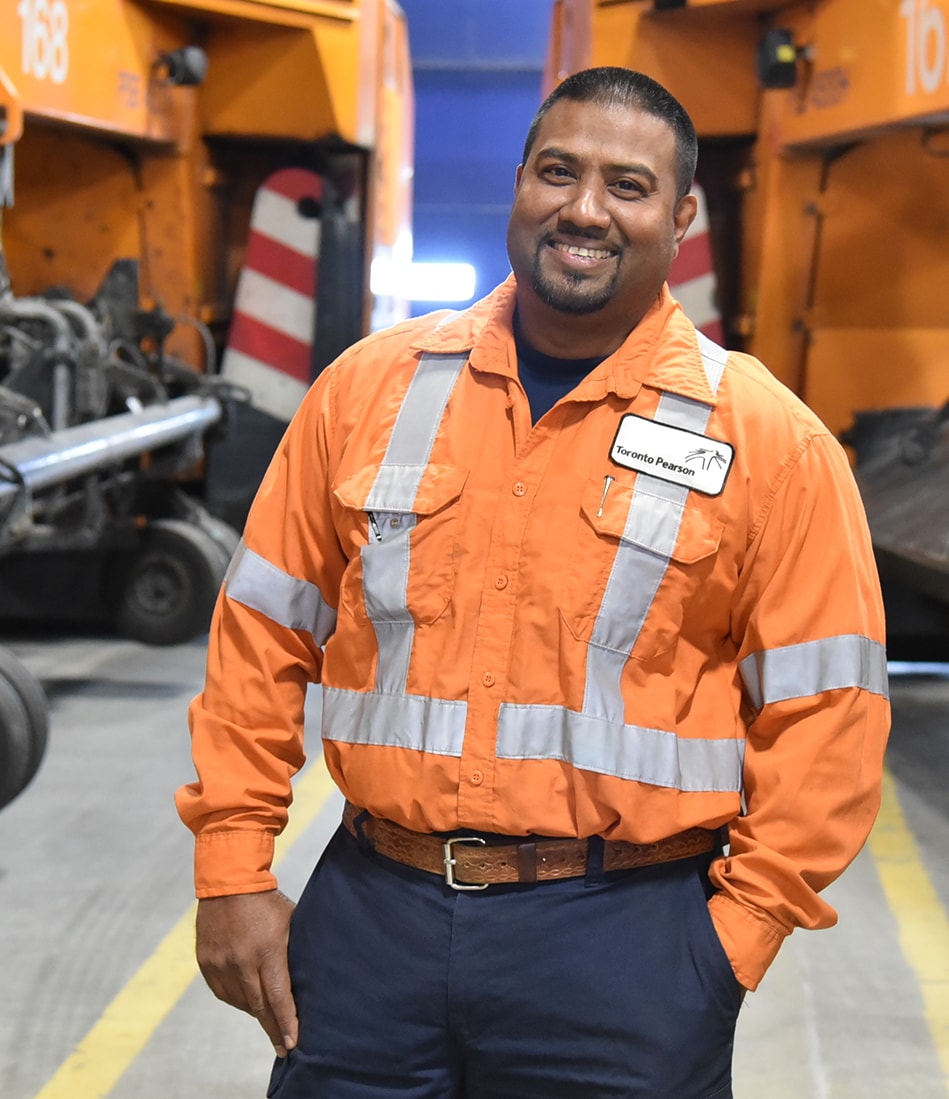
point(653, 609)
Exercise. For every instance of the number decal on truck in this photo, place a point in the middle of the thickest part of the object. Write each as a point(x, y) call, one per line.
point(45, 48)
point(925, 45)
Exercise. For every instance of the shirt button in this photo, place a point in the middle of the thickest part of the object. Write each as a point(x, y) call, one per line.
point(488, 679)
point(500, 583)
point(519, 489)
point(477, 777)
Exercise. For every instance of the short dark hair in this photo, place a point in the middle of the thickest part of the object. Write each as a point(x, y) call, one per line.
point(611, 85)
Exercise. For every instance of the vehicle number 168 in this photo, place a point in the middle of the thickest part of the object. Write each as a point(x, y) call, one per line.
point(45, 45)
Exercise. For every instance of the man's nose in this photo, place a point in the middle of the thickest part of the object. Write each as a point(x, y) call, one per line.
point(586, 208)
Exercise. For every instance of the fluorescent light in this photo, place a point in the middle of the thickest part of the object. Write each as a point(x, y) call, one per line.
point(441, 282)
point(423, 281)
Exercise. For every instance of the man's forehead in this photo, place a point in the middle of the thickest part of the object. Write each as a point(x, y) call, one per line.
point(571, 122)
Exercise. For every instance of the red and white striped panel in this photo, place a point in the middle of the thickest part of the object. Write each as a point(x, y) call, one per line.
point(269, 346)
point(692, 276)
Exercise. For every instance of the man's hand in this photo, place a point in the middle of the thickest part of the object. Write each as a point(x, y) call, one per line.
point(242, 953)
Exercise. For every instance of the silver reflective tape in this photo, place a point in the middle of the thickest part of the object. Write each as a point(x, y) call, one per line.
point(678, 411)
point(395, 488)
point(655, 514)
point(830, 664)
point(654, 520)
point(413, 435)
point(624, 751)
point(385, 576)
point(714, 359)
point(642, 557)
point(394, 641)
point(295, 604)
point(386, 565)
point(638, 569)
point(601, 694)
point(412, 722)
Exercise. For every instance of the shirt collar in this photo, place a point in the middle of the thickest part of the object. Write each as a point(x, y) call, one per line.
point(661, 352)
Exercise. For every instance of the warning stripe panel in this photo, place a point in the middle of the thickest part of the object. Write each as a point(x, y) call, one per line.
point(295, 183)
point(694, 259)
point(714, 330)
point(692, 274)
point(277, 217)
point(275, 393)
point(270, 342)
point(269, 257)
point(271, 302)
point(697, 298)
point(269, 345)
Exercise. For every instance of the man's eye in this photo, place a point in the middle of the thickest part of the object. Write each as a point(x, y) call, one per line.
point(557, 171)
point(629, 188)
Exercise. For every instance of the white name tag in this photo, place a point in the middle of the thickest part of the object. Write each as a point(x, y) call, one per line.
point(672, 454)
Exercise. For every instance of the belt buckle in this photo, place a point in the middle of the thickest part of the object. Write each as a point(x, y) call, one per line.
point(459, 887)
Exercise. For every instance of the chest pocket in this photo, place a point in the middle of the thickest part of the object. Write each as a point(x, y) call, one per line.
point(638, 558)
point(404, 570)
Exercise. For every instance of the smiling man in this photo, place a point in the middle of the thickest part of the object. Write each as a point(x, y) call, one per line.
point(601, 203)
point(594, 610)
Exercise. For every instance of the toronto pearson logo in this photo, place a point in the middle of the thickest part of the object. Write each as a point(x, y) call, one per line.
point(707, 459)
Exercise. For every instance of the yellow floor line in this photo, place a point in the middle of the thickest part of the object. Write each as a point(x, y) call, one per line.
point(93, 1068)
point(921, 918)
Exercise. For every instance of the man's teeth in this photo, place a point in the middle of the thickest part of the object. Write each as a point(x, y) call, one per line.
point(588, 253)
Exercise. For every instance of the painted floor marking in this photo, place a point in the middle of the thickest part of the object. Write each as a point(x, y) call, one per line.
point(921, 919)
point(99, 1060)
point(94, 1067)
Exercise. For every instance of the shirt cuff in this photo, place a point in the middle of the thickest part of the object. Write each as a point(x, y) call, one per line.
point(750, 941)
point(233, 862)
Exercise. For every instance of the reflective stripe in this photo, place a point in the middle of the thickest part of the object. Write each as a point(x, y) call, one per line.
point(624, 751)
point(714, 359)
point(295, 604)
point(397, 721)
point(830, 664)
point(655, 514)
point(597, 739)
point(386, 566)
point(413, 435)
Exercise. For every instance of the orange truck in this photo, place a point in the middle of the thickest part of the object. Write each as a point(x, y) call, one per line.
point(824, 161)
point(192, 196)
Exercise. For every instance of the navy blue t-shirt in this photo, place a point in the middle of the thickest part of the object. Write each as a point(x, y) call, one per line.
point(546, 379)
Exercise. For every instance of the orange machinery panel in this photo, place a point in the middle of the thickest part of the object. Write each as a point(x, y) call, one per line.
point(275, 68)
point(869, 65)
point(705, 58)
point(843, 198)
point(115, 161)
point(89, 64)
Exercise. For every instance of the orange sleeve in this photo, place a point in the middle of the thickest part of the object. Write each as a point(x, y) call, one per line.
point(814, 752)
point(247, 724)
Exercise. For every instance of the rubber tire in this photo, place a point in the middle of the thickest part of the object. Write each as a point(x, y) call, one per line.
point(24, 726)
point(164, 592)
point(224, 536)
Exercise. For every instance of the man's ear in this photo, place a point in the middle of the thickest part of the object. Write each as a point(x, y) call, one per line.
point(517, 177)
point(684, 215)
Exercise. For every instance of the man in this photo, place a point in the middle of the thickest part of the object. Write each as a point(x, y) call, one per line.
point(587, 596)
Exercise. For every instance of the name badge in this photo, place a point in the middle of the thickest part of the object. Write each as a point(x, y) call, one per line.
point(672, 454)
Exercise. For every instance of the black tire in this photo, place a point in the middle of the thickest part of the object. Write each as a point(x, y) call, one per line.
point(24, 726)
point(163, 593)
point(224, 536)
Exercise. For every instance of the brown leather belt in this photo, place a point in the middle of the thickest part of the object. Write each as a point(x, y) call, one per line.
point(472, 862)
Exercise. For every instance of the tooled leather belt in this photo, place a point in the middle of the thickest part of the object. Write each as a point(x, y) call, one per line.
point(472, 862)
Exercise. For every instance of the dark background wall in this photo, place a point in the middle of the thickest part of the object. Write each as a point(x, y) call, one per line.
point(477, 67)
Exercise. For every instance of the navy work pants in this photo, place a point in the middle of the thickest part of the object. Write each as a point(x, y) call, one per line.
point(609, 985)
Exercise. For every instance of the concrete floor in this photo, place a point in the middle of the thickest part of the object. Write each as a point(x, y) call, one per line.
point(95, 890)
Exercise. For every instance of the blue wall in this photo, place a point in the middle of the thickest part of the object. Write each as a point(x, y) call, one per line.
point(478, 67)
